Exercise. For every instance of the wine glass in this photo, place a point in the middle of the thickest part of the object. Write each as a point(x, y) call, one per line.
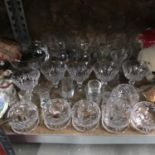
point(143, 117)
point(24, 114)
point(106, 71)
point(85, 115)
point(134, 71)
point(79, 71)
point(54, 71)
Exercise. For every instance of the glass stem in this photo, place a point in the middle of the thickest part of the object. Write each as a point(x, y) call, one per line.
point(44, 99)
point(28, 95)
point(79, 85)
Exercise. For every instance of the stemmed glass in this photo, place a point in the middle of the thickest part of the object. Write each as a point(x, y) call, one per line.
point(106, 71)
point(24, 114)
point(143, 117)
point(54, 71)
point(134, 71)
point(79, 71)
point(85, 115)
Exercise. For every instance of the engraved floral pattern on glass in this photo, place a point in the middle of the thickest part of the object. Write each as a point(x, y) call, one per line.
point(143, 117)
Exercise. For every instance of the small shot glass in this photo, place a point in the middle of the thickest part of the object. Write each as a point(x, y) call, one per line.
point(93, 92)
point(67, 88)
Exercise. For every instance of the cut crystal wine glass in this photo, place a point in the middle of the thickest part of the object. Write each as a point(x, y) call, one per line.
point(85, 115)
point(134, 71)
point(106, 71)
point(143, 117)
point(54, 71)
point(79, 71)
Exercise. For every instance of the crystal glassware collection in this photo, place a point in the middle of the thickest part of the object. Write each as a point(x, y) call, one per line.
point(115, 108)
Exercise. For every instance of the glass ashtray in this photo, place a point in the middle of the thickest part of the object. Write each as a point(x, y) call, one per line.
point(143, 117)
point(57, 114)
point(85, 115)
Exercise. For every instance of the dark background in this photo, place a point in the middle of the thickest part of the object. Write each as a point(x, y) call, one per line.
point(73, 17)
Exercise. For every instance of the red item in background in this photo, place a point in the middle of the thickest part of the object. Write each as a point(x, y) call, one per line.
point(147, 38)
point(2, 151)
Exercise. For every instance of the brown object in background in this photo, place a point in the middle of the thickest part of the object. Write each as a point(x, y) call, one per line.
point(150, 94)
point(9, 50)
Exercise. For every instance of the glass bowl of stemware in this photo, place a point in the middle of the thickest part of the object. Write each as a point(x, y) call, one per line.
point(143, 117)
point(106, 71)
point(134, 71)
point(79, 71)
point(85, 115)
point(54, 71)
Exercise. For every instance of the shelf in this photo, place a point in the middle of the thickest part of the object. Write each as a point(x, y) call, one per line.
point(70, 136)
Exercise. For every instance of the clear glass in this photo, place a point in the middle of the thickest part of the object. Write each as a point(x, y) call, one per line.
point(143, 117)
point(54, 71)
point(134, 71)
point(94, 91)
point(85, 116)
point(116, 115)
point(106, 71)
point(57, 114)
point(126, 91)
point(24, 115)
point(79, 71)
point(67, 88)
